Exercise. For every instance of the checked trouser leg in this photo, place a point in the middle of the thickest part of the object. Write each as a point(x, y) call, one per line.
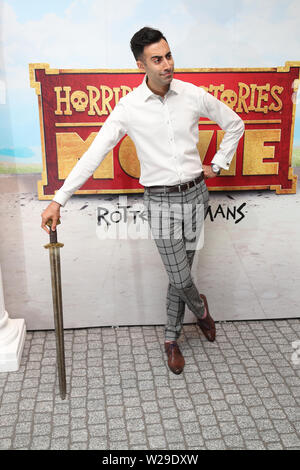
point(176, 307)
point(176, 257)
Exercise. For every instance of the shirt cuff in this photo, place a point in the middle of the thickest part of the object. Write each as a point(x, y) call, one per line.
point(61, 197)
point(221, 162)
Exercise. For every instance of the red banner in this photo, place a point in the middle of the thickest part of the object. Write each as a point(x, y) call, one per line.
point(73, 105)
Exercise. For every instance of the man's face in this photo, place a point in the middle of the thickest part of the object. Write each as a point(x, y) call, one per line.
point(157, 63)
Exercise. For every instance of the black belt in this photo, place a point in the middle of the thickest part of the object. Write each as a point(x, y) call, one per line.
point(177, 188)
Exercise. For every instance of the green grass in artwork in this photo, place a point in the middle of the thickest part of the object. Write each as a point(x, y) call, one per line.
point(296, 156)
point(8, 168)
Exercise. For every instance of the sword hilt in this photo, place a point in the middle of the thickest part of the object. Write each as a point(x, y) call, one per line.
point(53, 235)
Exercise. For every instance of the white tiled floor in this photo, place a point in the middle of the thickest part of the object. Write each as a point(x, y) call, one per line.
point(240, 392)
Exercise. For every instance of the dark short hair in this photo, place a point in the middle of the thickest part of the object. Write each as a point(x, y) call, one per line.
point(142, 38)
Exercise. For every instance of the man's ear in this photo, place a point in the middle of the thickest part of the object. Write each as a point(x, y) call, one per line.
point(140, 65)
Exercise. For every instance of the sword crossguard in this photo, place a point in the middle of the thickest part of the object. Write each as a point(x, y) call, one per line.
point(54, 245)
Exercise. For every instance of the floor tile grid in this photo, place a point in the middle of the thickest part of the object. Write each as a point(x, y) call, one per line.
point(240, 392)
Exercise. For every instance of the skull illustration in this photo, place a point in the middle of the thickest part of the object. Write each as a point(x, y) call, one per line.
point(79, 100)
point(229, 97)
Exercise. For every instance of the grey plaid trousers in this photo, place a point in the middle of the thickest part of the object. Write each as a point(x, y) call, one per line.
point(176, 220)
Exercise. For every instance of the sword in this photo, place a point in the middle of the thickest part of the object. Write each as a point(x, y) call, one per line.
point(54, 255)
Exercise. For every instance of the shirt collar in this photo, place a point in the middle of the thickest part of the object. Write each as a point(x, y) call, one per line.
point(147, 92)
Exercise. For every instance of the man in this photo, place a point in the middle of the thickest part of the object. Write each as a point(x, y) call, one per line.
point(161, 117)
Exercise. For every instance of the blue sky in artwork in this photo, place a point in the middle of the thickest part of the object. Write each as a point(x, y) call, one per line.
point(96, 34)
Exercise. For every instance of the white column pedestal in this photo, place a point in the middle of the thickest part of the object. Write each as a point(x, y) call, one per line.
point(12, 337)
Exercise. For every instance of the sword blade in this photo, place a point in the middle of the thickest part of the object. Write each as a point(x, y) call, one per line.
point(54, 255)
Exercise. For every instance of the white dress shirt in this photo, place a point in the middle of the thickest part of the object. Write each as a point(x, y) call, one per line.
point(165, 133)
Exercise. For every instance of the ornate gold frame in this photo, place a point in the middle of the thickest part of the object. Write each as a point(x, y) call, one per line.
point(49, 71)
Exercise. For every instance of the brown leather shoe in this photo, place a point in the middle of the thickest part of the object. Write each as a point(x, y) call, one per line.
point(175, 358)
point(207, 325)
